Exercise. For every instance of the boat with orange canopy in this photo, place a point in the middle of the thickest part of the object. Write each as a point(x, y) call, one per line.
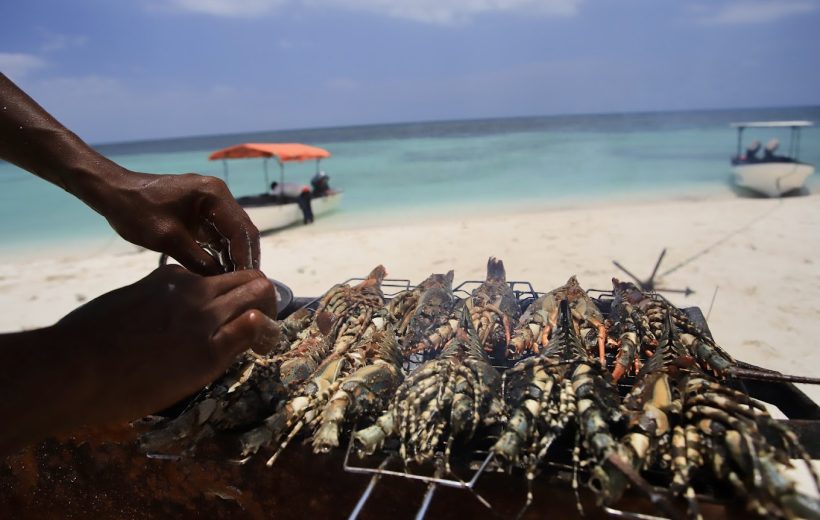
point(276, 209)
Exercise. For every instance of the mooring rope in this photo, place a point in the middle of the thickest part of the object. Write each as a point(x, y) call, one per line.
point(723, 239)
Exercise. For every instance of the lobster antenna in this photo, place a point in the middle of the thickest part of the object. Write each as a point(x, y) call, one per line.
point(712, 304)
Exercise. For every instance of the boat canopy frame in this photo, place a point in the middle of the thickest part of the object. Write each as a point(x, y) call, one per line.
point(794, 136)
point(282, 152)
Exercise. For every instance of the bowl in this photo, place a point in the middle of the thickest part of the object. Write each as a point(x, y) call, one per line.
point(284, 296)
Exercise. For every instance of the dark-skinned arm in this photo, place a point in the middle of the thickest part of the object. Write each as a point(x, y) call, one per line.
point(137, 349)
point(165, 213)
point(131, 352)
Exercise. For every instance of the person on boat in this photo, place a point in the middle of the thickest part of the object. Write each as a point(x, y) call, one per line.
point(143, 347)
point(770, 152)
point(320, 183)
point(298, 193)
point(751, 152)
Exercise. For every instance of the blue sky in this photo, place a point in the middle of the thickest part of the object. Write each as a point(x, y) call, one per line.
point(116, 70)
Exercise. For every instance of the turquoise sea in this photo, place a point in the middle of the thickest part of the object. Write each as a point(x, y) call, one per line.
point(409, 169)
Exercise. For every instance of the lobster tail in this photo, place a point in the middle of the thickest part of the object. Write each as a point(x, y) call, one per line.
point(465, 321)
point(564, 318)
point(495, 270)
point(375, 278)
point(619, 285)
point(379, 272)
point(466, 331)
point(668, 329)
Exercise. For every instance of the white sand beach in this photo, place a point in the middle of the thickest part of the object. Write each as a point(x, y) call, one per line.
point(762, 256)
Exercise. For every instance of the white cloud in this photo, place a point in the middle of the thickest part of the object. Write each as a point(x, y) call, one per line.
point(53, 42)
point(758, 11)
point(232, 8)
point(19, 65)
point(456, 11)
point(426, 11)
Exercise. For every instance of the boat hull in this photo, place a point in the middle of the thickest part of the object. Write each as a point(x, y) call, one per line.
point(772, 179)
point(275, 216)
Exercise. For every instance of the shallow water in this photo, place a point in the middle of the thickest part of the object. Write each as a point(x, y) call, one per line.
point(411, 169)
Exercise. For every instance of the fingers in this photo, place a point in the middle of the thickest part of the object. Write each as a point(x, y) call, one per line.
point(233, 223)
point(243, 238)
point(251, 329)
point(256, 293)
point(225, 283)
point(194, 258)
point(267, 338)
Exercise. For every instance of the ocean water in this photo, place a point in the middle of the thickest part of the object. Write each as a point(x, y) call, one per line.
point(408, 169)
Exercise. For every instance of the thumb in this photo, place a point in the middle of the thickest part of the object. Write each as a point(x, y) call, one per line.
point(251, 329)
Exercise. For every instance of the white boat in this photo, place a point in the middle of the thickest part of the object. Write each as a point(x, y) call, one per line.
point(772, 175)
point(271, 209)
point(268, 212)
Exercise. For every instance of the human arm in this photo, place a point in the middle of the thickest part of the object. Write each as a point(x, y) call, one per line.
point(130, 352)
point(166, 213)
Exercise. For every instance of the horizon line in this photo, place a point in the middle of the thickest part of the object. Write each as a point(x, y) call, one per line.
point(436, 121)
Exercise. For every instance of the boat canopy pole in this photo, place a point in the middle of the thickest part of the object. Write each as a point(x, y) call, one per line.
point(317, 165)
point(794, 144)
point(281, 174)
point(791, 142)
point(225, 170)
point(267, 181)
point(739, 138)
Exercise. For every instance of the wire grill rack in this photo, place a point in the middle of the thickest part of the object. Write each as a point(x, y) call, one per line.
point(464, 473)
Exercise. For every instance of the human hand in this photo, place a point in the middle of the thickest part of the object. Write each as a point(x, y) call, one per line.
point(173, 214)
point(144, 347)
point(167, 213)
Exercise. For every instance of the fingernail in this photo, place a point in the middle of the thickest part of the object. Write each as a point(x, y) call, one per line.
point(269, 338)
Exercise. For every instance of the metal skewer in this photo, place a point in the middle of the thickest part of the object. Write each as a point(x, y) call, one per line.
point(657, 499)
point(428, 497)
point(366, 495)
point(432, 481)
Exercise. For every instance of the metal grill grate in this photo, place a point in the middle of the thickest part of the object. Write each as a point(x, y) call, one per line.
point(804, 419)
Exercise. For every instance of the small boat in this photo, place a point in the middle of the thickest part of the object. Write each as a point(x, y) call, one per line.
point(772, 175)
point(270, 209)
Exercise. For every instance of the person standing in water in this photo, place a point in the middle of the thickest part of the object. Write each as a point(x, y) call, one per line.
point(298, 193)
